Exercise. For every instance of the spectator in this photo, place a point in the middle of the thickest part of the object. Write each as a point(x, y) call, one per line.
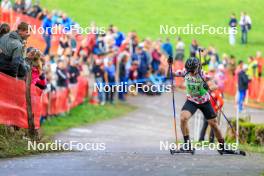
point(232, 29)
point(133, 71)
point(133, 41)
point(179, 50)
point(62, 75)
point(213, 64)
point(33, 12)
point(73, 71)
point(6, 11)
point(119, 37)
point(242, 87)
point(110, 80)
point(73, 43)
point(91, 40)
point(225, 60)
point(66, 22)
point(99, 47)
point(245, 24)
point(99, 75)
point(220, 78)
point(194, 47)
point(238, 69)
point(252, 68)
point(43, 14)
point(231, 66)
point(38, 77)
point(260, 61)
point(47, 25)
point(11, 46)
point(18, 6)
point(144, 61)
point(64, 44)
point(167, 47)
point(205, 60)
point(4, 29)
point(212, 52)
point(38, 9)
point(156, 54)
point(123, 76)
point(27, 5)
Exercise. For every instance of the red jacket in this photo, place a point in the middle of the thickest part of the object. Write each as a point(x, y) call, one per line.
point(37, 79)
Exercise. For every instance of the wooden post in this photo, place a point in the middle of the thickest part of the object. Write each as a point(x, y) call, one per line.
point(31, 124)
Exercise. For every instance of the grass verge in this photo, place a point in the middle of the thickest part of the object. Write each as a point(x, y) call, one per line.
point(14, 143)
point(252, 148)
point(84, 114)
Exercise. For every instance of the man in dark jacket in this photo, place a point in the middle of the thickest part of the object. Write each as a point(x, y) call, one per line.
point(11, 51)
point(73, 71)
point(62, 81)
point(242, 87)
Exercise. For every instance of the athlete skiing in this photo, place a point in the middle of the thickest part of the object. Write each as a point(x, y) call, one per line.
point(197, 98)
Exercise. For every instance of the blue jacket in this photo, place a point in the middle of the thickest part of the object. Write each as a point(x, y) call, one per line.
point(167, 47)
point(47, 25)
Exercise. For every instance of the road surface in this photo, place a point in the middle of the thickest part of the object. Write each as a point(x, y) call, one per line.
point(132, 147)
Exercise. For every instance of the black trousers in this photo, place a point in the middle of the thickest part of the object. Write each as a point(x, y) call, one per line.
point(110, 93)
point(203, 131)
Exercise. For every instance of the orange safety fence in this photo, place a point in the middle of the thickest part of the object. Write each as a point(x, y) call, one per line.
point(63, 100)
point(13, 101)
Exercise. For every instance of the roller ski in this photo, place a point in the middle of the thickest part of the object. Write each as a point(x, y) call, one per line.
point(224, 151)
point(183, 150)
point(173, 151)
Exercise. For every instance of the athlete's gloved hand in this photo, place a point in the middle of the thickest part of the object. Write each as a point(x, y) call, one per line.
point(170, 60)
point(206, 87)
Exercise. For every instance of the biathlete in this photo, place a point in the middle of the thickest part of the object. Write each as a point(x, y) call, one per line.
point(197, 98)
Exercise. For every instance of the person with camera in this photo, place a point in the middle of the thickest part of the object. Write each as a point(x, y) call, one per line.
point(12, 61)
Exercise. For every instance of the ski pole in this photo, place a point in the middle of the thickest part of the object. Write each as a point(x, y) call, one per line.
point(173, 100)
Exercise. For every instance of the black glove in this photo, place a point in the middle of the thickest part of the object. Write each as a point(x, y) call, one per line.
point(170, 60)
point(42, 76)
point(206, 87)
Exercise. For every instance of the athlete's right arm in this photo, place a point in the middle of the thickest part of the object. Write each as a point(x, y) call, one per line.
point(180, 73)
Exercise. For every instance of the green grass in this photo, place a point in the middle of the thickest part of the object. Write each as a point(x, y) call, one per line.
point(15, 144)
point(252, 148)
point(84, 114)
point(245, 147)
point(146, 17)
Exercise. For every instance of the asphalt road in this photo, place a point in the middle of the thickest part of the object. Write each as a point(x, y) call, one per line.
point(132, 147)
